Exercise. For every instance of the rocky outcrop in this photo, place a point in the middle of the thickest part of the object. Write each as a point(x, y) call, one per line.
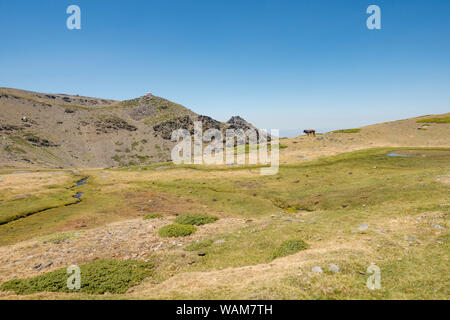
point(237, 122)
point(165, 129)
point(39, 142)
point(9, 127)
point(113, 124)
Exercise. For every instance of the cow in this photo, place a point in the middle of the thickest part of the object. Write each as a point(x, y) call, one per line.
point(309, 132)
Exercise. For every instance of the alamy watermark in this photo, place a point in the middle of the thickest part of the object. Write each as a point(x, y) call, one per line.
point(74, 20)
point(249, 147)
point(374, 281)
point(74, 280)
point(374, 20)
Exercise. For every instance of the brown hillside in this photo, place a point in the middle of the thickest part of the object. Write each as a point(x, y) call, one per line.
point(59, 130)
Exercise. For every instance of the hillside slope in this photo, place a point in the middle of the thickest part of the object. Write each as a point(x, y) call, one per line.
point(425, 131)
point(58, 130)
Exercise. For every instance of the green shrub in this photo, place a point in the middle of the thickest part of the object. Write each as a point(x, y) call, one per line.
point(196, 219)
point(176, 230)
point(435, 120)
point(198, 245)
point(97, 277)
point(153, 216)
point(289, 247)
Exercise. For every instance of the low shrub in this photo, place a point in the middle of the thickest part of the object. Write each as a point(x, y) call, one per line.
point(97, 277)
point(176, 230)
point(196, 219)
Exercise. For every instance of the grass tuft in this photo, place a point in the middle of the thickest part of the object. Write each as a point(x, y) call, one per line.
point(196, 219)
point(153, 216)
point(198, 245)
point(435, 120)
point(289, 247)
point(176, 230)
point(347, 131)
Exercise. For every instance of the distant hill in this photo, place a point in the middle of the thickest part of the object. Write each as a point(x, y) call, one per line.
point(59, 130)
point(424, 131)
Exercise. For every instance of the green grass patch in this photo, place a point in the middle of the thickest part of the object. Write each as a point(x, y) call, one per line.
point(196, 219)
point(176, 230)
point(153, 216)
point(18, 208)
point(61, 236)
point(198, 245)
point(98, 277)
point(435, 120)
point(14, 149)
point(356, 130)
point(289, 247)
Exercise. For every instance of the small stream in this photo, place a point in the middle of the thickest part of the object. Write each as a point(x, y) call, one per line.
point(76, 196)
point(393, 154)
point(81, 182)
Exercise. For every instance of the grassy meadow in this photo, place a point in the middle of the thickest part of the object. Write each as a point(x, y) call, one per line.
point(352, 210)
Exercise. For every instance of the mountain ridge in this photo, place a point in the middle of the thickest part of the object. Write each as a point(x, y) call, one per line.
point(72, 131)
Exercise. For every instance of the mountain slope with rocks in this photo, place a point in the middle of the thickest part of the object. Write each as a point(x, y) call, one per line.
point(67, 131)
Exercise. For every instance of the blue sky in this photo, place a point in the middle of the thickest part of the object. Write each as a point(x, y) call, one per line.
point(279, 64)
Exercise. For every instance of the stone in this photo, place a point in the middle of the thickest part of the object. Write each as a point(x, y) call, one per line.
point(202, 254)
point(363, 227)
point(219, 241)
point(317, 269)
point(334, 268)
point(436, 226)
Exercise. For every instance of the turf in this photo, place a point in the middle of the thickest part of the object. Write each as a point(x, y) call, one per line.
point(98, 277)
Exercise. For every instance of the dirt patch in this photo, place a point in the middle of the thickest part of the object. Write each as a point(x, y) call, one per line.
point(131, 239)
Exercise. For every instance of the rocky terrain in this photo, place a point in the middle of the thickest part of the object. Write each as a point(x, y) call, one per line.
point(64, 131)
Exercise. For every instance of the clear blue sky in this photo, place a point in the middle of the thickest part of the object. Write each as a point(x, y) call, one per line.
point(279, 64)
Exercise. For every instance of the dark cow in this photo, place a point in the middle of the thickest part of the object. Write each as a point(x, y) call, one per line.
point(309, 132)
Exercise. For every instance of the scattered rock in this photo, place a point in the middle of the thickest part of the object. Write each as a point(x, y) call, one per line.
point(334, 268)
point(436, 226)
point(317, 269)
point(47, 265)
point(22, 196)
point(363, 227)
